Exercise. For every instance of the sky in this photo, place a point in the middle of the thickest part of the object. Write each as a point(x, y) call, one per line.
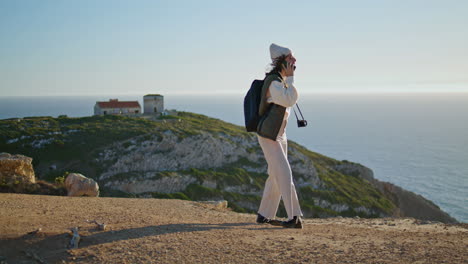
point(113, 47)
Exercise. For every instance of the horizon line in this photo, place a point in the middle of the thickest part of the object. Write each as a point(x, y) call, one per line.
point(243, 93)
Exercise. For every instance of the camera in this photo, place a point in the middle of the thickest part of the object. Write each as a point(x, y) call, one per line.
point(301, 123)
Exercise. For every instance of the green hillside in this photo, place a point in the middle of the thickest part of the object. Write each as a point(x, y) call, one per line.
point(60, 145)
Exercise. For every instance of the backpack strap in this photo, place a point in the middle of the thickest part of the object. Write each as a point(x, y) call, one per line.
point(266, 85)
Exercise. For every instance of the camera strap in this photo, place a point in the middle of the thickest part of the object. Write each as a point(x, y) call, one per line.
point(300, 112)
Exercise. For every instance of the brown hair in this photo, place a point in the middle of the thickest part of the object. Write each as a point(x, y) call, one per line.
point(277, 65)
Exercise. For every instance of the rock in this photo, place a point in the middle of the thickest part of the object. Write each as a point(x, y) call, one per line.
point(222, 204)
point(409, 204)
point(169, 184)
point(17, 176)
point(172, 154)
point(100, 226)
point(209, 184)
point(79, 185)
point(75, 240)
point(356, 170)
point(16, 169)
point(35, 231)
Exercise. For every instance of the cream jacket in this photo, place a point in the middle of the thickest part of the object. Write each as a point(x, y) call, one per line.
point(285, 97)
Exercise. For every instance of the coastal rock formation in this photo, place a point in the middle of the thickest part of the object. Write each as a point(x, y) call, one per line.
point(138, 171)
point(138, 167)
point(409, 204)
point(79, 185)
point(414, 205)
point(194, 157)
point(16, 170)
point(199, 151)
point(169, 184)
point(166, 165)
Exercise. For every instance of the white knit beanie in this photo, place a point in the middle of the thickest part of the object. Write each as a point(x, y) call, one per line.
point(276, 51)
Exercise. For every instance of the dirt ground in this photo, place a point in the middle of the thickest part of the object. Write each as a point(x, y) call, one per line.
point(175, 231)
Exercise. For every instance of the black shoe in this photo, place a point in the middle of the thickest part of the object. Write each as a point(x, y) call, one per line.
point(262, 220)
point(275, 222)
point(296, 222)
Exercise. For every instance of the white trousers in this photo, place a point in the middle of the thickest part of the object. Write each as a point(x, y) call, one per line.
point(279, 183)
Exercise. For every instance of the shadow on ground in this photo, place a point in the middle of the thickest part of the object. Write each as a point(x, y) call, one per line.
point(53, 247)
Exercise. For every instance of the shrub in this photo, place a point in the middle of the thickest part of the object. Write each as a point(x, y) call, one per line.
point(60, 180)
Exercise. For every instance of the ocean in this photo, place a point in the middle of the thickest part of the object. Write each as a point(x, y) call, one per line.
point(416, 141)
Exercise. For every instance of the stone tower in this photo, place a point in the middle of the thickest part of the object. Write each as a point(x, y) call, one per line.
point(153, 103)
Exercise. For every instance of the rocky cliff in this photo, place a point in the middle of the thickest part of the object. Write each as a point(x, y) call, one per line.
point(194, 157)
point(17, 175)
point(408, 203)
point(16, 169)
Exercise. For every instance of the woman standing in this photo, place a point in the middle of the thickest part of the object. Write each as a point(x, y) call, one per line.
point(279, 90)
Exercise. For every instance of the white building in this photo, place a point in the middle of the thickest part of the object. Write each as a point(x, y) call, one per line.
point(116, 107)
point(153, 103)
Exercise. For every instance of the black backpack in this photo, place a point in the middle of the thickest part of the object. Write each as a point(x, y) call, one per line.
point(252, 104)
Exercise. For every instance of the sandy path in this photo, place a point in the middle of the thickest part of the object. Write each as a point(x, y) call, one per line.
point(174, 231)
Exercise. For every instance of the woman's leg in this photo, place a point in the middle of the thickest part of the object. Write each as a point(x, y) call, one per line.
point(296, 208)
point(280, 171)
point(271, 194)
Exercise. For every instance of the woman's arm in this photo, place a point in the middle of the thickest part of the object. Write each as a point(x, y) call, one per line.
point(286, 97)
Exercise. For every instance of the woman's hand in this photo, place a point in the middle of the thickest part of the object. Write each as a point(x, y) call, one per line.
point(289, 70)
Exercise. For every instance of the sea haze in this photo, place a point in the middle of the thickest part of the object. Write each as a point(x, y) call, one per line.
point(417, 141)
